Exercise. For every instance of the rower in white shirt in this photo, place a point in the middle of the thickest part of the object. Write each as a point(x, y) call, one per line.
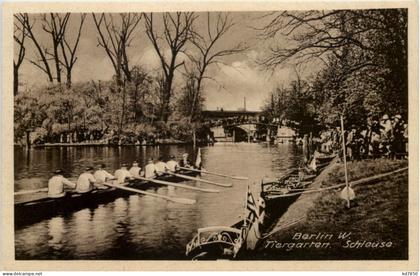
point(56, 185)
point(85, 181)
point(135, 170)
point(161, 167)
point(172, 165)
point(123, 174)
point(101, 176)
point(150, 169)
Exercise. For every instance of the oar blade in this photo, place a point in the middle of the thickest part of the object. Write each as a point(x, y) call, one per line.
point(225, 184)
point(187, 201)
point(210, 190)
point(240, 177)
point(218, 174)
point(25, 192)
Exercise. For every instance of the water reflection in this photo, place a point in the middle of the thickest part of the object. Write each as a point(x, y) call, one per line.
point(56, 232)
point(82, 236)
point(141, 227)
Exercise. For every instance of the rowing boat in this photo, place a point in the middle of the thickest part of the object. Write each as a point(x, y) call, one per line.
point(31, 211)
point(294, 181)
point(283, 185)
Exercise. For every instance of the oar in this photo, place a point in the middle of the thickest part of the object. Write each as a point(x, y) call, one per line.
point(199, 179)
point(173, 199)
point(178, 185)
point(24, 192)
point(219, 174)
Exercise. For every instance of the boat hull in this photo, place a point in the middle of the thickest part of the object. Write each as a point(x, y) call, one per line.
point(213, 251)
point(36, 210)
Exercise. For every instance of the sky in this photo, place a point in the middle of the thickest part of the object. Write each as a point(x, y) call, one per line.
point(235, 78)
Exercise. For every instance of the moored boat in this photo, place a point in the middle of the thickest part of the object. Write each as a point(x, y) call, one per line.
point(293, 182)
point(224, 242)
point(216, 242)
point(30, 211)
point(284, 185)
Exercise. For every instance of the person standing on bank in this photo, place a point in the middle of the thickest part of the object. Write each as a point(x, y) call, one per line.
point(350, 143)
point(397, 146)
point(101, 176)
point(86, 181)
point(386, 135)
point(56, 185)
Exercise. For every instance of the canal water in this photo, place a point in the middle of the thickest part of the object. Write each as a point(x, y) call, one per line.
point(141, 227)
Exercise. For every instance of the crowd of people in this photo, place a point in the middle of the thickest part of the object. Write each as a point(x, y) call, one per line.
point(92, 179)
point(384, 137)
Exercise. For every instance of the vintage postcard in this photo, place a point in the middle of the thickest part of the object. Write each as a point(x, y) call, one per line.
point(210, 136)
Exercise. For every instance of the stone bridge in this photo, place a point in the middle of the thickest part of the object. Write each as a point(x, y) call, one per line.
point(244, 126)
point(243, 132)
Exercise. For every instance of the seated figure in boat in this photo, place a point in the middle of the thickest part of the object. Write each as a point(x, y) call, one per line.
point(185, 162)
point(101, 176)
point(135, 170)
point(56, 185)
point(161, 167)
point(86, 181)
point(123, 174)
point(150, 169)
point(172, 164)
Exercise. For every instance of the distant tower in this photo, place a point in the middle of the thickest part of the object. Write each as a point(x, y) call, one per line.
point(244, 103)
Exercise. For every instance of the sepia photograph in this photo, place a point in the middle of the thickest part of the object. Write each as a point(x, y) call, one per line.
point(187, 135)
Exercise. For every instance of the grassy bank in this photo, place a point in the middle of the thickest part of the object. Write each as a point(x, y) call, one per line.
point(377, 220)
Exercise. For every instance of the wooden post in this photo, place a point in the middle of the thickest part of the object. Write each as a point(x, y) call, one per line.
point(345, 161)
point(194, 139)
point(233, 136)
point(28, 139)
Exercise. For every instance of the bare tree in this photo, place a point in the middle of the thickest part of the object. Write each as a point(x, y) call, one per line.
point(115, 39)
point(19, 35)
point(177, 31)
point(68, 51)
point(55, 25)
point(41, 62)
point(314, 35)
point(209, 52)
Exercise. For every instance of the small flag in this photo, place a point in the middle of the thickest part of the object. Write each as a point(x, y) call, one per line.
point(198, 159)
point(251, 206)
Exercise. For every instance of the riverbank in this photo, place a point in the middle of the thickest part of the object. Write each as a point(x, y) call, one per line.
point(374, 228)
point(105, 143)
